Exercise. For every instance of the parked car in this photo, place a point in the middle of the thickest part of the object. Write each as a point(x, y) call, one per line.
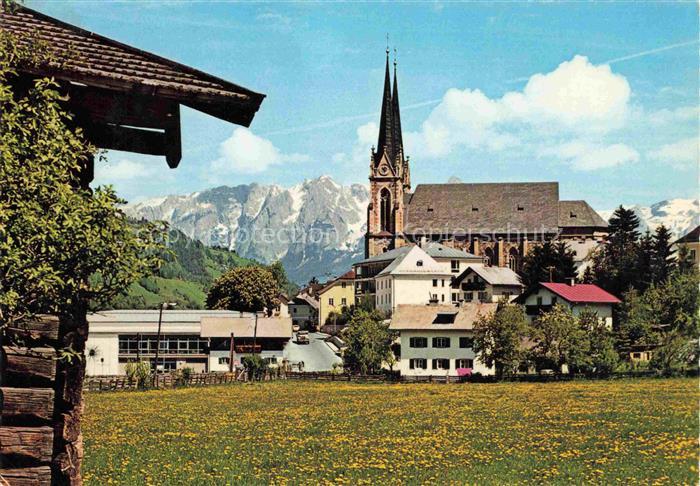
point(296, 327)
point(303, 337)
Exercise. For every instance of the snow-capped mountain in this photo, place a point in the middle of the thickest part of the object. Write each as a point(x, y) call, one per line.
point(315, 228)
point(678, 215)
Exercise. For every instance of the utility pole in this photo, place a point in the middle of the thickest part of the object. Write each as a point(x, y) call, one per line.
point(255, 332)
point(163, 305)
point(231, 353)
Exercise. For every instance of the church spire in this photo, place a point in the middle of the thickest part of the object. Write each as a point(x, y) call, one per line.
point(396, 114)
point(386, 129)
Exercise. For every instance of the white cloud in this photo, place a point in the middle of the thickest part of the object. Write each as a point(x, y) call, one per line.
point(680, 154)
point(125, 170)
point(248, 153)
point(575, 99)
point(586, 156)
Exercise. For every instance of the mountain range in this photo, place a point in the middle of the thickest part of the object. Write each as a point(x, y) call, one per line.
point(316, 228)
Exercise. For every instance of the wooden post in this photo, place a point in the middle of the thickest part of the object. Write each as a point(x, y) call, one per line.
point(231, 353)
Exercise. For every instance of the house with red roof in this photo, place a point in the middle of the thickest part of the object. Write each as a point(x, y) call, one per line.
point(574, 295)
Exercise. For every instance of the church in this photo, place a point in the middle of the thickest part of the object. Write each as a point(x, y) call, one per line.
point(498, 222)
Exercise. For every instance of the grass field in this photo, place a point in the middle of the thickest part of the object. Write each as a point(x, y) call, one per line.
point(312, 432)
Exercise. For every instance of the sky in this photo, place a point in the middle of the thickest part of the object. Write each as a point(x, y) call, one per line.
point(602, 97)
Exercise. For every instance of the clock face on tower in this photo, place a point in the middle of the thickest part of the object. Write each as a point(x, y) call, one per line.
point(384, 170)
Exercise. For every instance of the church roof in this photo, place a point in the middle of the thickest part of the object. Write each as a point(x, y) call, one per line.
point(527, 207)
point(579, 214)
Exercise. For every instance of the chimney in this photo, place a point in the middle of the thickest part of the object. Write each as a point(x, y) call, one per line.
point(422, 242)
point(572, 281)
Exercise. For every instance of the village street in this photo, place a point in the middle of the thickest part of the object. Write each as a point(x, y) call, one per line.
point(317, 355)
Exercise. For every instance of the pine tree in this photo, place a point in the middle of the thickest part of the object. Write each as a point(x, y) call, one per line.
point(684, 261)
point(645, 262)
point(615, 267)
point(662, 259)
point(549, 261)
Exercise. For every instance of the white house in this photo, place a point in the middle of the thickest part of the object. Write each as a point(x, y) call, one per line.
point(480, 283)
point(414, 277)
point(576, 296)
point(120, 336)
point(437, 340)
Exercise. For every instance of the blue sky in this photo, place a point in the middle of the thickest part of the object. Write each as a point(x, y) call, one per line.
point(602, 97)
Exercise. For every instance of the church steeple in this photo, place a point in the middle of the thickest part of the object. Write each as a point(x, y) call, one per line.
point(386, 126)
point(396, 116)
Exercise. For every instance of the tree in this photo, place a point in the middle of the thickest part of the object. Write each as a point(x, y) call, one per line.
point(615, 264)
point(62, 245)
point(676, 353)
point(550, 259)
point(280, 275)
point(684, 261)
point(645, 261)
point(560, 341)
point(603, 357)
point(245, 289)
point(369, 342)
point(498, 339)
point(662, 263)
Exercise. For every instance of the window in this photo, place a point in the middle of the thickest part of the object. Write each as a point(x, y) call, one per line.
point(483, 296)
point(441, 364)
point(443, 282)
point(539, 300)
point(343, 285)
point(468, 296)
point(441, 342)
point(434, 282)
point(475, 209)
point(521, 208)
point(418, 364)
point(294, 310)
point(442, 297)
point(419, 263)
point(430, 210)
point(692, 255)
point(330, 301)
point(418, 342)
point(445, 318)
point(455, 297)
point(466, 342)
point(224, 360)
point(554, 300)
point(464, 363)
point(343, 301)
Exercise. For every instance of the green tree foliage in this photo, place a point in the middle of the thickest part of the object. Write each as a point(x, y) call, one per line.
point(603, 357)
point(369, 342)
point(615, 265)
point(549, 258)
point(246, 289)
point(61, 247)
point(560, 340)
point(255, 366)
point(283, 283)
point(645, 262)
point(499, 337)
point(684, 261)
point(662, 261)
point(677, 353)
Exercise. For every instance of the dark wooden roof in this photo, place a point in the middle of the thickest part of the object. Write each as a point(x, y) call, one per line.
point(693, 236)
point(579, 214)
point(526, 207)
point(97, 61)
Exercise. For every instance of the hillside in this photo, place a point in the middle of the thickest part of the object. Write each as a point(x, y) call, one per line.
point(184, 279)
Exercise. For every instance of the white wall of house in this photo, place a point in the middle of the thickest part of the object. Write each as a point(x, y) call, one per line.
point(301, 313)
point(453, 353)
point(106, 354)
point(393, 290)
point(546, 297)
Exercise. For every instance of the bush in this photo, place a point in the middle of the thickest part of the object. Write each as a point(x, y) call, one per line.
point(255, 366)
point(139, 372)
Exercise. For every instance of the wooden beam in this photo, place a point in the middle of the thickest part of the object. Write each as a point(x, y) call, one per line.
point(28, 476)
point(173, 141)
point(26, 402)
point(107, 106)
point(127, 139)
point(28, 364)
point(27, 443)
point(38, 328)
